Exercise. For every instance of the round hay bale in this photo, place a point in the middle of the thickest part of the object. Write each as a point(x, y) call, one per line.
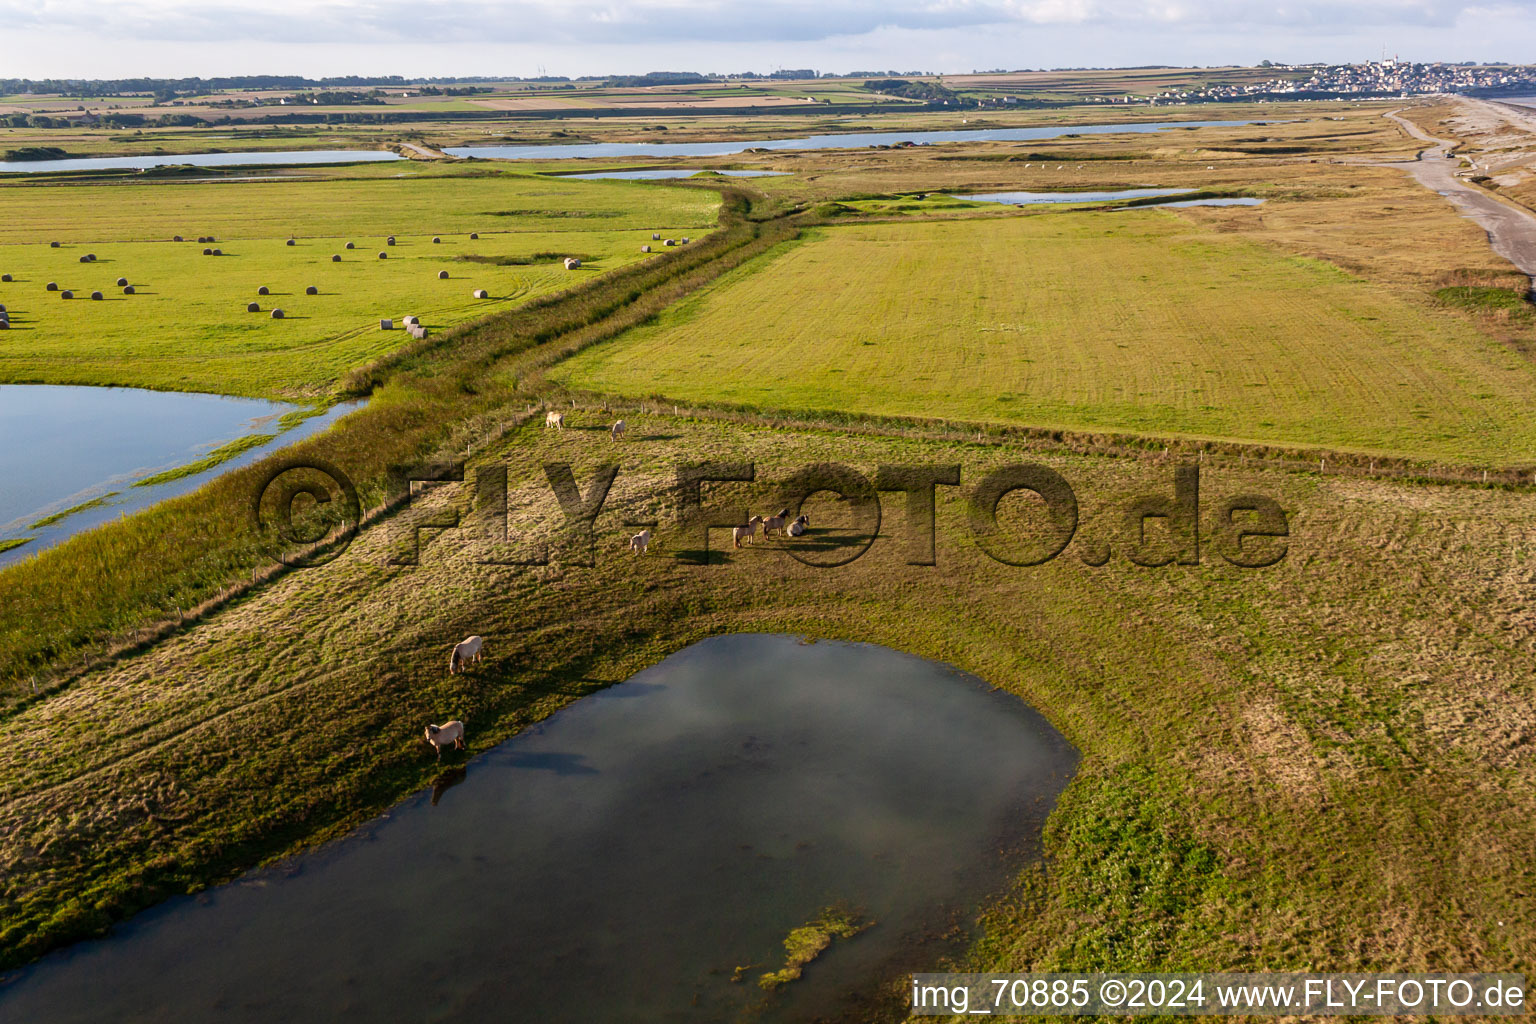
point(128, 290)
point(263, 290)
point(122, 281)
point(97, 296)
point(6, 278)
point(645, 248)
point(336, 258)
point(2, 309)
point(85, 259)
point(572, 263)
point(687, 240)
point(655, 238)
point(481, 293)
point(383, 255)
point(351, 245)
point(5, 325)
point(436, 240)
point(207, 252)
point(51, 287)
point(253, 307)
point(386, 325)
point(277, 314)
point(211, 239)
point(390, 240)
point(311, 290)
point(218, 252)
point(66, 294)
point(474, 234)
point(442, 275)
point(669, 242)
point(53, 245)
point(175, 238)
point(290, 242)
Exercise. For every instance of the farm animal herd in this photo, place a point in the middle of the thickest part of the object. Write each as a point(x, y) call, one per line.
point(472, 649)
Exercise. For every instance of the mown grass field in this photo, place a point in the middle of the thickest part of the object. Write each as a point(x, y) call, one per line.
point(1136, 321)
point(187, 326)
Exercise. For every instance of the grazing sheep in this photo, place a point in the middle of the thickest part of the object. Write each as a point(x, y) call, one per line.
point(618, 430)
point(747, 531)
point(797, 528)
point(445, 735)
point(464, 652)
point(640, 541)
point(554, 419)
point(442, 275)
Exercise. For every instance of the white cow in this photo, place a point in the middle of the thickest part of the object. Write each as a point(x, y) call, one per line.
point(747, 531)
point(464, 652)
point(618, 430)
point(554, 419)
point(448, 734)
point(640, 541)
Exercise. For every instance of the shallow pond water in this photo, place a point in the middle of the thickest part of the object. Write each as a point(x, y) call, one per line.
point(621, 860)
point(847, 140)
point(662, 173)
point(102, 163)
point(61, 447)
point(1032, 198)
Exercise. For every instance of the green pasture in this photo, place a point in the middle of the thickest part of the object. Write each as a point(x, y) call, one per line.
point(1128, 321)
point(187, 326)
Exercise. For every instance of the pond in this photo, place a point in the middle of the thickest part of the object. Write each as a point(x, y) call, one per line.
point(661, 173)
point(845, 140)
point(622, 860)
point(1032, 198)
point(103, 163)
point(63, 447)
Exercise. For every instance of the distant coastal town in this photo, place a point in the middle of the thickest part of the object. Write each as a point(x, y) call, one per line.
point(1388, 77)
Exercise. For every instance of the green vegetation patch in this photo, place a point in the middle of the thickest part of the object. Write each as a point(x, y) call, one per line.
point(9, 543)
point(811, 939)
point(223, 453)
point(1501, 301)
point(83, 506)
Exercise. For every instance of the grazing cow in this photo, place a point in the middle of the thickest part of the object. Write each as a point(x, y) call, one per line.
point(448, 734)
point(464, 652)
point(640, 541)
point(747, 531)
point(554, 419)
point(797, 528)
point(618, 430)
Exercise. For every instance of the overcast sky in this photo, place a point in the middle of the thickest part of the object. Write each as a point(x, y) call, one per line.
point(176, 38)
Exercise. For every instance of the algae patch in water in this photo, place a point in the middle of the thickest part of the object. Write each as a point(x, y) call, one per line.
point(807, 942)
